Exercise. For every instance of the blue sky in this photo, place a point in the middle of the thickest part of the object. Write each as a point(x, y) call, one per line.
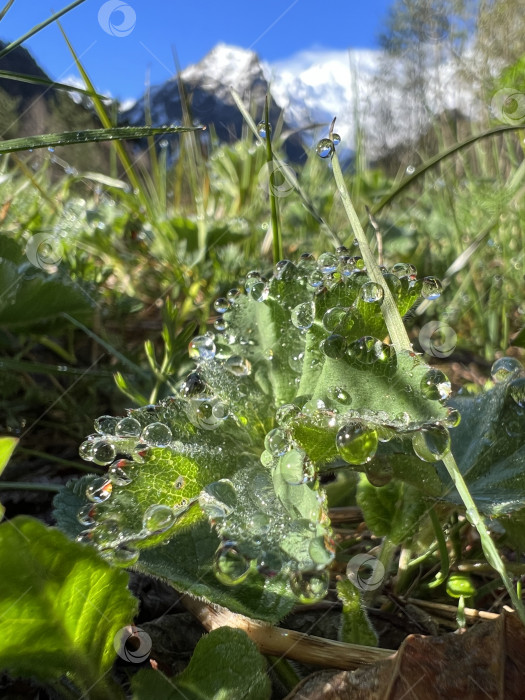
point(119, 41)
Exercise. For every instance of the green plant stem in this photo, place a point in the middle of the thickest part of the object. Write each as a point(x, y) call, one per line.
point(276, 228)
point(443, 551)
point(284, 671)
point(489, 548)
point(28, 486)
point(393, 320)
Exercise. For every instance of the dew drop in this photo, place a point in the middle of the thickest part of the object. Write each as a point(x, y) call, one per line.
point(230, 566)
point(286, 413)
point(403, 270)
point(253, 277)
point(435, 385)
point(105, 425)
point(310, 587)
point(334, 318)
point(86, 515)
point(157, 435)
point(207, 412)
point(117, 473)
point(325, 148)
point(517, 391)
point(202, 348)
point(259, 291)
point(218, 499)
point(232, 295)
point(371, 292)
point(193, 385)
point(291, 467)
point(221, 305)
point(284, 270)
point(86, 450)
point(179, 482)
point(379, 473)
point(261, 129)
point(158, 518)
point(334, 346)
point(103, 452)
point(431, 444)
point(128, 428)
point(505, 368)
point(220, 325)
point(336, 139)
point(393, 283)
point(99, 490)
point(125, 555)
point(266, 458)
point(316, 278)
point(328, 263)
point(276, 442)
point(431, 289)
point(337, 393)
point(453, 418)
point(238, 366)
point(356, 443)
point(302, 316)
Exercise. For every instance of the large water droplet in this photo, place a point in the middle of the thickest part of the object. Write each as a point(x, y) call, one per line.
point(505, 368)
point(207, 412)
point(99, 490)
point(230, 566)
point(328, 263)
point(435, 385)
point(291, 467)
point(261, 129)
point(393, 283)
point(403, 270)
point(202, 348)
point(379, 473)
point(336, 139)
point(125, 555)
point(431, 444)
point(86, 450)
point(517, 391)
point(310, 587)
point(221, 305)
point(316, 278)
point(193, 385)
point(371, 293)
point(453, 418)
point(356, 443)
point(285, 414)
point(86, 515)
point(157, 435)
point(302, 315)
point(334, 318)
point(259, 291)
point(118, 474)
point(218, 499)
point(337, 393)
point(103, 452)
point(325, 148)
point(105, 425)
point(334, 346)
point(431, 288)
point(158, 518)
point(107, 533)
point(238, 366)
point(276, 442)
point(284, 270)
point(128, 427)
point(253, 277)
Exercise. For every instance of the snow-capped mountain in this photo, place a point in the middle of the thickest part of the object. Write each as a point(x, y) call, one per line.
point(312, 87)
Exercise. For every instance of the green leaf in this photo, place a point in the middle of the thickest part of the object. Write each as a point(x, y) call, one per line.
point(61, 607)
point(225, 664)
point(489, 447)
point(356, 628)
point(7, 447)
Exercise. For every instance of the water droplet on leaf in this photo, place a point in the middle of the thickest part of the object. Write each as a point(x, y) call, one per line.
point(431, 444)
point(431, 288)
point(99, 490)
point(238, 366)
point(105, 425)
point(302, 315)
point(291, 467)
point(371, 292)
point(261, 129)
point(310, 587)
point(202, 348)
point(356, 443)
point(128, 427)
point(276, 442)
point(435, 385)
point(158, 518)
point(230, 566)
point(103, 452)
point(157, 435)
point(325, 148)
point(505, 368)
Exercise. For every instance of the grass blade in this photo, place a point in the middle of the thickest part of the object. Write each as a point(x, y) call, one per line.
point(36, 80)
point(68, 138)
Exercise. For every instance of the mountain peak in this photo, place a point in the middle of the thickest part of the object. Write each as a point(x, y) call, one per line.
point(226, 66)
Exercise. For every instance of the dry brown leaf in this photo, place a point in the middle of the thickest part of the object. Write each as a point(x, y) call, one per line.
point(485, 663)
